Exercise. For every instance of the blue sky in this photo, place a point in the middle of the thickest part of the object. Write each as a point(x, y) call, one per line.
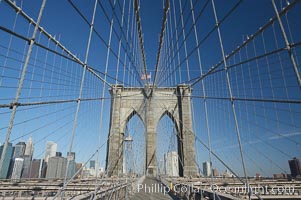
point(269, 128)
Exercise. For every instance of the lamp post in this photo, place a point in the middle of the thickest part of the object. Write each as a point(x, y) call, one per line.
point(128, 140)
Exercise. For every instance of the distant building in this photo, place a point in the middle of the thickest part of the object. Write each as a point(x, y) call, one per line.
point(43, 169)
point(19, 150)
point(56, 167)
point(50, 150)
point(280, 176)
point(71, 155)
point(227, 173)
point(79, 168)
point(161, 166)
point(215, 172)
point(86, 173)
point(26, 166)
point(35, 168)
point(101, 170)
point(6, 160)
point(295, 167)
point(59, 154)
point(90, 172)
point(71, 169)
point(92, 164)
point(17, 168)
point(258, 176)
point(206, 169)
point(171, 163)
point(72, 164)
point(29, 148)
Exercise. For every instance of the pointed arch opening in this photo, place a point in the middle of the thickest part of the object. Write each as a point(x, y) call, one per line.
point(134, 148)
point(168, 146)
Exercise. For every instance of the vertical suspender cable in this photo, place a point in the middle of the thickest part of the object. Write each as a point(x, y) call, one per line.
point(140, 35)
point(204, 92)
point(119, 45)
point(163, 28)
point(80, 93)
point(177, 42)
point(288, 45)
point(9, 47)
point(184, 39)
point(104, 86)
point(231, 98)
point(103, 89)
point(15, 103)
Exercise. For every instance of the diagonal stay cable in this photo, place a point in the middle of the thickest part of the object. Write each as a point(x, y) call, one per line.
point(122, 33)
point(163, 28)
point(21, 82)
point(249, 39)
point(228, 14)
point(90, 69)
point(41, 29)
point(214, 154)
point(100, 37)
point(138, 21)
point(195, 80)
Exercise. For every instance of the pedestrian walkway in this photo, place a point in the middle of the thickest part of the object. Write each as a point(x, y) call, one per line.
point(151, 189)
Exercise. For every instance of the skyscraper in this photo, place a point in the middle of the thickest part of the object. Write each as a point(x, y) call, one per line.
point(50, 150)
point(58, 154)
point(92, 164)
point(6, 160)
point(171, 164)
point(26, 166)
point(72, 164)
point(43, 169)
point(215, 172)
point(35, 167)
point(29, 147)
point(295, 167)
point(56, 167)
point(79, 168)
point(19, 150)
point(71, 155)
point(17, 169)
point(71, 168)
point(207, 169)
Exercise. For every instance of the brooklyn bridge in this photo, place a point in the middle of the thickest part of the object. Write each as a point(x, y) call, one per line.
point(162, 99)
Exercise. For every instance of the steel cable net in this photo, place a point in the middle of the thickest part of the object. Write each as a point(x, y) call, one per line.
point(55, 85)
point(59, 60)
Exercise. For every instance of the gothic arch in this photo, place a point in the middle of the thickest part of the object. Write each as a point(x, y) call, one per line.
point(171, 116)
point(133, 112)
point(151, 107)
point(176, 124)
point(135, 127)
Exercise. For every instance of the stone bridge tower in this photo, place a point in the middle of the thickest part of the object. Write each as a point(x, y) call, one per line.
point(151, 104)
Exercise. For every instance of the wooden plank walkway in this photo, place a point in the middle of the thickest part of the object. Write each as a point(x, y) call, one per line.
point(151, 189)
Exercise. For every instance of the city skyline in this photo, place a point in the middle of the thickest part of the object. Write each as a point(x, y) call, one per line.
point(97, 97)
point(21, 164)
point(259, 134)
point(16, 171)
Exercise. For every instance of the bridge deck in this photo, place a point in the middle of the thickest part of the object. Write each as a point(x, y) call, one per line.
point(151, 189)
